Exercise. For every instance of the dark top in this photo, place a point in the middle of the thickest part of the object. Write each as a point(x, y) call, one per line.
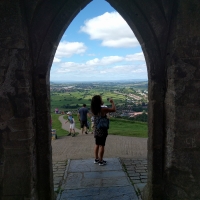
point(99, 132)
point(83, 113)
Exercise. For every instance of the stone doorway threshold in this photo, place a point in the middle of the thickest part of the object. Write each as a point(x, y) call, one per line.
point(84, 180)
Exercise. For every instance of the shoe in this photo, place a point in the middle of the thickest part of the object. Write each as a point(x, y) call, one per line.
point(105, 162)
point(73, 135)
point(101, 163)
point(96, 161)
point(69, 134)
point(86, 133)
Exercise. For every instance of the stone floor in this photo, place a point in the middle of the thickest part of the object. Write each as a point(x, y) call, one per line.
point(82, 146)
point(59, 169)
point(131, 170)
point(137, 173)
point(79, 179)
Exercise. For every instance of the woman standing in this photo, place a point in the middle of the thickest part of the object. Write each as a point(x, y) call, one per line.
point(100, 134)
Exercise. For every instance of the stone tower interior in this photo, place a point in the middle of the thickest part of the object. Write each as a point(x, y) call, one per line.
point(169, 34)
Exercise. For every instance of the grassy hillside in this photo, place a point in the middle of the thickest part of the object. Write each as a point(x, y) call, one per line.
point(60, 100)
point(56, 124)
point(117, 127)
point(128, 128)
point(79, 94)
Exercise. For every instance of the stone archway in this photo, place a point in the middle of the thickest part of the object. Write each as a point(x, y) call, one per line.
point(30, 32)
point(148, 38)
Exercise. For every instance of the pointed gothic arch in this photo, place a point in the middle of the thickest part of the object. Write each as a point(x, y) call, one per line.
point(30, 33)
point(149, 23)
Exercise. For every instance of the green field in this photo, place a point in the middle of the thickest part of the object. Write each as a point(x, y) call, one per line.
point(117, 127)
point(77, 99)
point(79, 94)
point(127, 128)
point(56, 124)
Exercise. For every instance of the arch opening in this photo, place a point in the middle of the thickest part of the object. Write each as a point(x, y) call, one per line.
point(70, 64)
point(148, 38)
point(30, 34)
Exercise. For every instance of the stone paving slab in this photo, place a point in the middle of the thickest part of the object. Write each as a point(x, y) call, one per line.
point(105, 174)
point(79, 180)
point(131, 150)
point(130, 166)
point(86, 180)
point(112, 193)
point(58, 173)
point(137, 172)
point(88, 165)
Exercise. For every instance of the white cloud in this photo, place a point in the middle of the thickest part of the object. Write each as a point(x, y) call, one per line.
point(112, 29)
point(127, 69)
point(73, 67)
point(104, 61)
point(67, 49)
point(83, 72)
point(107, 65)
point(121, 42)
point(135, 57)
point(56, 60)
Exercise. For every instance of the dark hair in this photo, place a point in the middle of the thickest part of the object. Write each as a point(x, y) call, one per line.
point(84, 105)
point(96, 104)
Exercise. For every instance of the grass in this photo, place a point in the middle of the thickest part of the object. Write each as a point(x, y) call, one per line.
point(117, 127)
point(59, 100)
point(128, 128)
point(56, 124)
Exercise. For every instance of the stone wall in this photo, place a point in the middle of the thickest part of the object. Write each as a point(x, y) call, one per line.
point(182, 142)
point(17, 119)
point(169, 34)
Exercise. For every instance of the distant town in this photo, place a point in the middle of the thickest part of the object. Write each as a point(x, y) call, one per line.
point(131, 97)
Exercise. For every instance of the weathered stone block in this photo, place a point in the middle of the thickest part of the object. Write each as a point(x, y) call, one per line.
point(183, 93)
point(156, 91)
point(180, 72)
point(169, 34)
point(21, 124)
point(18, 173)
point(5, 108)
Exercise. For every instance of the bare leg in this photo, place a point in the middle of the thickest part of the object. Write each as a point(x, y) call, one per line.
point(101, 153)
point(96, 151)
point(85, 129)
point(82, 130)
point(71, 132)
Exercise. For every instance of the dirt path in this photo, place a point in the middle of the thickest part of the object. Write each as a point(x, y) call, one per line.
point(82, 146)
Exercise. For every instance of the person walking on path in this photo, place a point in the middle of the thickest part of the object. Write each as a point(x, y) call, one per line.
point(100, 134)
point(72, 124)
point(83, 114)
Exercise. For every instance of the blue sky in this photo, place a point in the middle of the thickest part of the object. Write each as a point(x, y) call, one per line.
point(98, 45)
